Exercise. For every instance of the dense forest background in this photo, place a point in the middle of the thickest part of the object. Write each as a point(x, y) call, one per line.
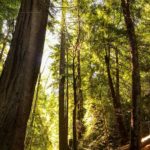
point(92, 91)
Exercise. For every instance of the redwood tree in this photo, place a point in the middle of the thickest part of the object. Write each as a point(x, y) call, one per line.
point(80, 108)
point(136, 90)
point(20, 72)
point(63, 116)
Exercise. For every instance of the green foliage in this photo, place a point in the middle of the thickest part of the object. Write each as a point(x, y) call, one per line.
point(8, 11)
point(42, 132)
point(102, 27)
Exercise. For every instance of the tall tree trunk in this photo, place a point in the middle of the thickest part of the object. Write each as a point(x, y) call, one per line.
point(136, 87)
point(117, 76)
point(63, 141)
point(19, 76)
point(79, 86)
point(67, 90)
point(75, 103)
point(78, 98)
point(116, 100)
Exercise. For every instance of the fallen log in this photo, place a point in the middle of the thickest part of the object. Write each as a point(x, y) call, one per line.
point(145, 144)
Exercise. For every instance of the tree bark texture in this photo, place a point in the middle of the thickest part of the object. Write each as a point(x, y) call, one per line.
point(19, 76)
point(63, 141)
point(136, 87)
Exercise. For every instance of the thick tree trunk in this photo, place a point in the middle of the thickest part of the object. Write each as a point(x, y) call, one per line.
point(116, 101)
point(20, 73)
point(136, 89)
point(63, 141)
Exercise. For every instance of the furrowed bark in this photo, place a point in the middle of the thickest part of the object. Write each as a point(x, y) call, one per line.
point(20, 73)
